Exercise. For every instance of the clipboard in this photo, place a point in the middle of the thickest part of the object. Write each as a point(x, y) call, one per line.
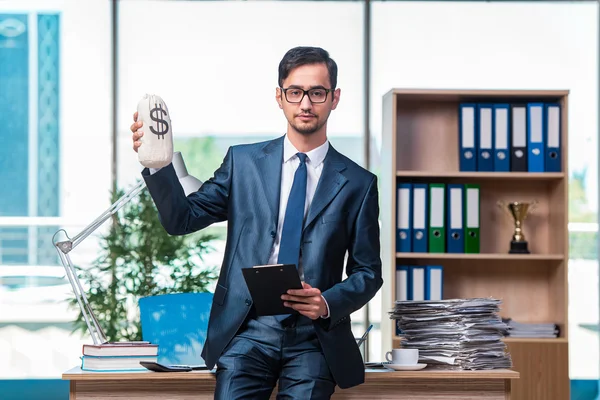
point(267, 283)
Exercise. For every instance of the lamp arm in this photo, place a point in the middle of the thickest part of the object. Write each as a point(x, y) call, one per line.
point(94, 328)
point(116, 206)
point(64, 247)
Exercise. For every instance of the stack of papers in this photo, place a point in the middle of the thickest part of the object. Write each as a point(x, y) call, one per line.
point(531, 330)
point(456, 333)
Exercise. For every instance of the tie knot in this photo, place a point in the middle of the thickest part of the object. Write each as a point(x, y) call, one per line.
point(302, 157)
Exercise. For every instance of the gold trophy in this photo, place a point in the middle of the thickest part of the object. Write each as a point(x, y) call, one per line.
point(518, 211)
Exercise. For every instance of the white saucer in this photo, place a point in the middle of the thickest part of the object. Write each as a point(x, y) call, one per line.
point(406, 367)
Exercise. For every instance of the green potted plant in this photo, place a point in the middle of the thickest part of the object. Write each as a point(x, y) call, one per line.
point(138, 258)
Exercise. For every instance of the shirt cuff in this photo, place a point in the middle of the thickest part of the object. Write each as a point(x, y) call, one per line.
point(327, 315)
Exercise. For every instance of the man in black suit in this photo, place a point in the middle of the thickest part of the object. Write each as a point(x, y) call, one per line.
point(294, 199)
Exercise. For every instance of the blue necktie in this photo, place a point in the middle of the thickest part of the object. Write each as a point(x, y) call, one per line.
point(291, 233)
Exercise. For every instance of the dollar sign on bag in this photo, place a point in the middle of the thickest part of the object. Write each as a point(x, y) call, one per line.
point(162, 127)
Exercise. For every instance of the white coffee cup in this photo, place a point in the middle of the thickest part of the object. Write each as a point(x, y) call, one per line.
point(403, 356)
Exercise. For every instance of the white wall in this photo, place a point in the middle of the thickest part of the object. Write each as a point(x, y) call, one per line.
point(199, 54)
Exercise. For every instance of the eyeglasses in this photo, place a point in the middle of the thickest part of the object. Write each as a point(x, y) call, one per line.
point(296, 95)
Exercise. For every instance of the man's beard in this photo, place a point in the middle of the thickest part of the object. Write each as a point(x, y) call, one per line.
point(306, 128)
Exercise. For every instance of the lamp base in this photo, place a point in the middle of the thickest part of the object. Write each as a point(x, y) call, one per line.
point(518, 247)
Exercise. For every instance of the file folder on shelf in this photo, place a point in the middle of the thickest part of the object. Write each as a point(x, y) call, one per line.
point(553, 151)
point(402, 289)
point(485, 157)
point(404, 218)
point(455, 242)
point(437, 230)
point(518, 146)
point(416, 282)
point(419, 218)
point(434, 282)
point(467, 132)
point(535, 137)
point(472, 216)
point(501, 137)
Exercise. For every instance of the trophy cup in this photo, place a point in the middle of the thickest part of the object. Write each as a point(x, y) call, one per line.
point(518, 211)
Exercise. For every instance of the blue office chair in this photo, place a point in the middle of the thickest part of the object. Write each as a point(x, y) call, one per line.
point(178, 324)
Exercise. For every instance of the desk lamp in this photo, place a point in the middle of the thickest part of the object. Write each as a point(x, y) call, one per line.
point(189, 183)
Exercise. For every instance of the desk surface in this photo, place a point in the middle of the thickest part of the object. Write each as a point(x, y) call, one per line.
point(426, 384)
point(76, 374)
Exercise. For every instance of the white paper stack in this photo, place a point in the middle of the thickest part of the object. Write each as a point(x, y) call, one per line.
point(531, 330)
point(456, 333)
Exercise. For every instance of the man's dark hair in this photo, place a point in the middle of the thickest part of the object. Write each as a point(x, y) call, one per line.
point(307, 55)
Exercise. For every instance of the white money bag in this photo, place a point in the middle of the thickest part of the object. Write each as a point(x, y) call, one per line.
point(156, 150)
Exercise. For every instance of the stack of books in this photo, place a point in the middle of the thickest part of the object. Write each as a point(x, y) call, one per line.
point(454, 334)
point(118, 356)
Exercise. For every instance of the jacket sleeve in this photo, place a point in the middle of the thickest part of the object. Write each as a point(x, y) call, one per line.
point(181, 215)
point(363, 267)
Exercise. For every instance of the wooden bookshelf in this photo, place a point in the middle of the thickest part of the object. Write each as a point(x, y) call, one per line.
point(420, 145)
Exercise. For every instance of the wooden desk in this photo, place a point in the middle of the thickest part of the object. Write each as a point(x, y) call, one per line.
point(406, 385)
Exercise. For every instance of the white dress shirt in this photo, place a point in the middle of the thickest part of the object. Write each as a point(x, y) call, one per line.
point(314, 167)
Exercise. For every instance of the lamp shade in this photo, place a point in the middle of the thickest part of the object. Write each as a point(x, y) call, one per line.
point(189, 183)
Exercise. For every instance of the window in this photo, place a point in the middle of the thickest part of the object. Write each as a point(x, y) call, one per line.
point(29, 95)
point(200, 53)
point(505, 46)
point(55, 163)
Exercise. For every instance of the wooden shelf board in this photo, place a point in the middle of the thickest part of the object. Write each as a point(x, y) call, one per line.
point(479, 92)
point(482, 175)
point(482, 256)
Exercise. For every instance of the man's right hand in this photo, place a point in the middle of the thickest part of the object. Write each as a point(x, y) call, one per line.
point(137, 133)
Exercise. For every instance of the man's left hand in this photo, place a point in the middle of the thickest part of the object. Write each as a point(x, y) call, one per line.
point(307, 301)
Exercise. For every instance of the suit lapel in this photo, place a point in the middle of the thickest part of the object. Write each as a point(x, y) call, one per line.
point(269, 169)
point(330, 183)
